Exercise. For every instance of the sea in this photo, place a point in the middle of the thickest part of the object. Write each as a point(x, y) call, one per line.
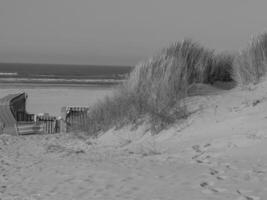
point(51, 87)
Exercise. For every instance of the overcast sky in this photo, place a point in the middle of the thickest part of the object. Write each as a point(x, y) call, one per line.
point(121, 32)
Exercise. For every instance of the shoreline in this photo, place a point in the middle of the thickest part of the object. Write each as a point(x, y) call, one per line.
point(50, 98)
point(55, 84)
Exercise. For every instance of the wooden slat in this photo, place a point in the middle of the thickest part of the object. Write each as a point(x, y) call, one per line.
point(29, 128)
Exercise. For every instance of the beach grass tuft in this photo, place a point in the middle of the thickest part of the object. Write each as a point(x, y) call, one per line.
point(157, 88)
point(251, 63)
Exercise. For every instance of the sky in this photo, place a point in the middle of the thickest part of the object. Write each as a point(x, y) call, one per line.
point(121, 32)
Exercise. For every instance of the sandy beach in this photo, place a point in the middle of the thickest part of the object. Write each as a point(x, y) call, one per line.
point(133, 100)
point(49, 98)
point(219, 152)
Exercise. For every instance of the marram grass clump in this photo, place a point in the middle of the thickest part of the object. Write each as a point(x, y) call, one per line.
point(251, 63)
point(156, 89)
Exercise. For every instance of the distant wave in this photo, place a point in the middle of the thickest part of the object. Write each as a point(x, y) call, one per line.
point(60, 80)
point(62, 74)
point(8, 74)
point(60, 77)
point(20, 70)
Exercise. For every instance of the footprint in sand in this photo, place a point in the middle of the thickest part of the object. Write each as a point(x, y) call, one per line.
point(209, 189)
point(196, 148)
point(127, 179)
point(3, 188)
point(217, 174)
point(213, 172)
point(201, 156)
point(243, 196)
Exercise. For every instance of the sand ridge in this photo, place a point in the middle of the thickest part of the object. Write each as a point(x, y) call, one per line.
point(217, 153)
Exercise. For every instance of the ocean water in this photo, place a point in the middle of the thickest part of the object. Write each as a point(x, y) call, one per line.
point(50, 87)
point(51, 98)
point(62, 74)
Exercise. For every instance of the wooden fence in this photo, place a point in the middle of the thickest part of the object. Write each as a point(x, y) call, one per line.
point(72, 119)
point(27, 128)
point(42, 125)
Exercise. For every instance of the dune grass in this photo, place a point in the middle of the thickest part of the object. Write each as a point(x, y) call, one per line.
point(251, 63)
point(156, 89)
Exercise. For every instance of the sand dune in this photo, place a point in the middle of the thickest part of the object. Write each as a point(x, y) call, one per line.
point(217, 153)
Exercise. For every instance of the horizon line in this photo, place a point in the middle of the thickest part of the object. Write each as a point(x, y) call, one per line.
point(67, 64)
